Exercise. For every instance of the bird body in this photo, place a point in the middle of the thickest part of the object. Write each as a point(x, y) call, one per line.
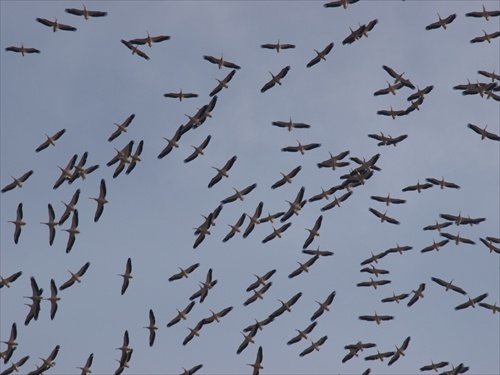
point(19, 223)
point(18, 182)
point(75, 277)
point(276, 79)
point(55, 25)
point(320, 55)
point(86, 13)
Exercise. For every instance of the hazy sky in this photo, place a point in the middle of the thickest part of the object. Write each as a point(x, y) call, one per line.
point(85, 81)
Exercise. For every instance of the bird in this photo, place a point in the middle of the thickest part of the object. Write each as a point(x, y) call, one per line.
point(398, 78)
point(291, 125)
point(435, 246)
point(180, 95)
point(152, 327)
point(276, 79)
point(278, 46)
point(471, 302)
point(125, 349)
point(400, 351)
point(420, 93)
point(135, 158)
point(486, 37)
point(192, 370)
point(135, 49)
point(366, 28)
point(86, 369)
point(258, 294)
point(383, 217)
point(257, 365)
point(374, 258)
point(314, 346)
point(313, 232)
point(222, 172)
point(285, 306)
point(318, 252)
point(303, 267)
point(438, 226)
point(374, 283)
point(53, 299)
point(393, 113)
point(301, 148)
point(203, 230)
point(85, 12)
point(172, 142)
point(205, 112)
point(355, 348)
point(121, 156)
point(334, 161)
point(491, 75)
point(336, 201)
point(419, 293)
point(51, 140)
point(376, 318)
point(254, 219)
point(6, 281)
point(484, 13)
point(494, 308)
point(122, 128)
point(277, 232)
point(221, 62)
point(126, 276)
point(198, 150)
point(215, 317)
point(36, 297)
point(489, 245)
point(443, 22)
point(379, 356)
point(66, 173)
point(374, 271)
point(18, 182)
point(70, 207)
point(387, 141)
point(73, 231)
point(49, 361)
point(55, 25)
point(261, 280)
point(320, 55)
point(80, 171)
point(387, 200)
point(484, 134)
point(434, 366)
point(395, 298)
point(398, 249)
point(287, 178)
point(11, 343)
point(22, 50)
point(391, 89)
point(442, 183)
point(101, 200)
point(258, 326)
point(247, 340)
point(272, 217)
point(323, 306)
point(15, 366)
point(354, 35)
point(149, 40)
point(19, 222)
point(338, 3)
point(75, 277)
point(302, 334)
point(449, 285)
point(239, 194)
point(418, 187)
point(457, 238)
point(181, 314)
point(222, 84)
point(204, 287)
point(184, 272)
point(235, 228)
point(124, 361)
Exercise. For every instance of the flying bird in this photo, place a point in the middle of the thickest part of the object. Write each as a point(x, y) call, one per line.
point(287, 178)
point(86, 369)
point(314, 346)
point(261, 280)
point(135, 158)
point(320, 55)
point(22, 50)
point(303, 267)
point(258, 294)
point(398, 78)
point(457, 238)
point(203, 230)
point(36, 297)
point(420, 93)
point(395, 298)
point(277, 232)
point(435, 246)
point(101, 200)
point(434, 366)
point(6, 281)
point(272, 217)
point(374, 258)
point(215, 317)
point(354, 35)
point(66, 173)
point(302, 334)
point(323, 306)
point(419, 293)
point(126, 276)
point(442, 183)
point(181, 315)
point(239, 194)
point(374, 283)
point(15, 366)
point(291, 125)
point(390, 89)
point(484, 134)
point(223, 84)
point(180, 95)
point(388, 200)
point(400, 351)
point(398, 249)
point(135, 49)
point(278, 46)
point(334, 161)
point(198, 150)
point(235, 228)
point(276, 79)
point(149, 40)
point(222, 172)
point(19, 223)
point(383, 216)
point(254, 219)
point(484, 13)
point(486, 37)
point(494, 308)
point(379, 356)
point(55, 25)
point(438, 226)
point(491, 75)
point(75, 277)
point(471, 302)
point(152, 327)
point(192, 370)
point(301, 148)
point(221, 62)
point(387, 141)
point(51, 140)
point(442, 22)
point(18, 182)
point(247, 340)
point(338, 3)
point(85, 12)
point(376, 318)
point(204, 287)
point(122, 128)
point(285, 306)
point(374, 271)
point(418, 187)
point(393, 113)
point(70, 207)
point(336, 201)
point(313, 232)
point(172, 142)
point(80, 170)
point(184, 272)
point(53, 299)
point(449, 285)
point(257, 365)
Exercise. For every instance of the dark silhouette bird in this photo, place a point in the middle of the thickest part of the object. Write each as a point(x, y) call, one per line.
point(22, 50)
point(258, 294)
point(398, 78)
point(152, 327)
point(336, 201)
point(75, 277)
point(335, 161)
point(301, 148)
point(85, 12)
point(434, 366)
point(320, 55)
point(374, 271)
point(126, 276)
point(435, 246)
point(376, 318)
point(395, 298)
point(101, 200)
point(135, 49)
point(354, 35)
point(491, 75)
point(86, 369)
point(458, 239)
point(53, 299)
point(257, 365)
point(203, 230)
point(198, 150)
point(398, 249)
point(235, 228)
point(80, 170)
point(295, 206)
point(285, 306)
point(180, 95)
point(70, 207)
point(172, 143)
point(215, 317)
point(223, 84)
point(400, 351)
point(261, 280)
point(135, 158)
point(277, 232)
point(489, 245)
point(419, 293)
point(318, 252)
point(391, 89)
point(383, 216)
point(184, 272)
point(387, 141)
point(15, 366)
point(471, 302)
point(239, 194)
point(483, 133)
point(272, 217)
point(442, 22)
point(287, 178)
point(323, 306)
point(338, 3)
point(303, 267)
point(278, 46)
point(393, 113)
point(374, 258)
point(258, 326)
point(19, 223)
point(192, 370)
point(442, 183)
point(374, 283)
point(149, 40)
point(379, 356)
point(193, 332)
point(302, 334)
point(122, 128)
point(209, 283)
point(51, 140)
point(313, 233)
point(486, 37)
point(418, 187)
point(36, 297)
point(18, 182)
point(449, 285)
point(254, 220)
point(276, 79)
point(8, 280)
point(55, 25)
point(438, 226)
point(314, 346)
point(420, 93)
point(222, 172)
point(484, 13)
point(221, 62)
point(181, 315)
point(494, 308)
point(388, 200)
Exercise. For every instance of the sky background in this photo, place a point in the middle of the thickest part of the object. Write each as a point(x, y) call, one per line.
point(85, 81)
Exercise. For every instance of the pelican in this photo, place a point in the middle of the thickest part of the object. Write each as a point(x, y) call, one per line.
point(203, 230)
point(398, 249)
point(135, 49)
point(80, 171)
point(314, 232)
point(484, 134)
point(135, 158)
point(419, 293)
point(53, 299)
point(172, 142)
point(125, 348)
point(374, 283)
point(442, 22)
point(51, 140)
point(36, 297)
point(75, 277)
point(8, 280)
point(101, 201)
point(122, 128)
point(452, 218)
point(302, 334)
point(221, 62)
point(449, 285)
point(192, 370)
point(324, 194)
point(389, 89)
point(336, 201)
point(420, 93)
point(393, 113)
point(124, 361)
point(379, 356)
point(66, 173)
point(86, 369)
point(223, 84)
point(222, 172)
point(334, 161)
point(254, 220)
point(388, 200)
point(257, 365)
point(434, 366)
point(354, 35)
point(303, 267)
point(15, 366)
point(320, 55)
point(49, 361)
point(271, 217)
point(486, 14)
point(215, 317)
point(301, 148)
point(418, 187)
point(198, 150)
point(442, 183)
point(180, 95)
point(338, 3)
point(491, 75)
point(353, 352)
point(287, 178)
point(210, 219)
point(360, 346)
point(399, 351)
point(258, 326)
point(387, 141)
point(55, 25)
point(457, 238)
point(239, 194)
point(258, 294)
point(278, 47)
point(488, 244)
point(398, 78)
point(261, 280)
point(181, 314)
point(314, 346)
point(18, 182)
point(23, 50)
point(11, 343)
point(70, 207)
point(374, 258)
point(481, 88)
point(376, 318)
point(285, 306)
point(152, 328)
point(295, 206)
point(277, 232)
point(471, 302)
point(86, 13)
point(276, 79)
point(438, 226)
point(493, 308)
point(291, 125)
point(435, 246)
point(149, 40)
point(395, 298)
point(184, 272)
point(323, 306)
point(247, 340)
point(374, 271)
point(235, 228)
point(126, 276)
point(19, 223)
point(204, 287)
point(367, 28)
point(383, 216)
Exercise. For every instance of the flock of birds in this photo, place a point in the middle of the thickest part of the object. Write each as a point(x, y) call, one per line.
point(127, 159)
